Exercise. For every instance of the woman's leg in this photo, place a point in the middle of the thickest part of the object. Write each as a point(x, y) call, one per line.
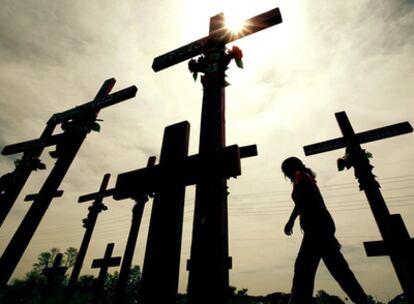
point(339, 268)
point(305, 269)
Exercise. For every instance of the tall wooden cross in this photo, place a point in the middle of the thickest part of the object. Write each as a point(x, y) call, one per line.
point(103, 264)
point(53, 275)
point(89, 225)
point(76, 123)
point(210, 261)
point(168, 180)
point(396, 239)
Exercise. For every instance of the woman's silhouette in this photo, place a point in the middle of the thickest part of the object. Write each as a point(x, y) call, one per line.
point(319, 240)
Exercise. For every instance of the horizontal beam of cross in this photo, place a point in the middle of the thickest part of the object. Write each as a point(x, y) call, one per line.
point(97, 104)
point(96, 195)
point(32, 144)
point(192, 169)
point(362, 137)
point(220, 36)
point(32, 197)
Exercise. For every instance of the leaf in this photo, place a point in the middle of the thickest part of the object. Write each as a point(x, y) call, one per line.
point(239, 63)
point(96, 127)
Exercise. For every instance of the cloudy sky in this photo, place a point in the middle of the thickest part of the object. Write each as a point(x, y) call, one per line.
point(327, 56)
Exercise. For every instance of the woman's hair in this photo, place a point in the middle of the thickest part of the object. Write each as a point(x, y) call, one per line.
point(294, 164)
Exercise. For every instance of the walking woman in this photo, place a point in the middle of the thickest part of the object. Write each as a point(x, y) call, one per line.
point(319, 240)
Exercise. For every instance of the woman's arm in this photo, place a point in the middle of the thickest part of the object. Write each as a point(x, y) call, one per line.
point(291, 222)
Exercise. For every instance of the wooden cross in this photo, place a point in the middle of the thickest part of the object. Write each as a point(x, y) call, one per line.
point(396, 239)
point(89, 224)
point(218, 35)
point(168, 180)
point(32, 149)
point(12, 183)
point(210, 260)
point(137, 212)
point(52, 274)
point(103, 264)
point(76, 123)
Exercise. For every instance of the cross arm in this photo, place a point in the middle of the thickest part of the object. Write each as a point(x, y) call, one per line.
point(219, 36)
point(112, 262)
point(32, 197)
point(189, 171)
point(361, 138)
point(34, 144)
point(96, 195)
point(102, 100)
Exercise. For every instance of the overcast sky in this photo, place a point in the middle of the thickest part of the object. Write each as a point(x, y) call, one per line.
point(327, 56)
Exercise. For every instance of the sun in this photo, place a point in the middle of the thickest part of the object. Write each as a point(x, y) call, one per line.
point(235, 16)
point(234, 22)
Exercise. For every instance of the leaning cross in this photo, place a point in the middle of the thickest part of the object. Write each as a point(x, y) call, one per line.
point(396, 239)
point(104, 263)
point(89, 224)
point(209, 249)
point(76, 123)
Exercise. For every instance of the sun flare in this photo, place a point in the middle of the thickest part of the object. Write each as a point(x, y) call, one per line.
point(234, 23)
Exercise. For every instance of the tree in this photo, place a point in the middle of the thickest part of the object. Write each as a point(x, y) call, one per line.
point(46, 258)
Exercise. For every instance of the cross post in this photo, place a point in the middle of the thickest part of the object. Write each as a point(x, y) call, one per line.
point(103, 264)
point(137, 212)
point(76, 125)
point(210, 259)
point(89, 225)
point(53, 275)
point(167, 181)
point(396, 243)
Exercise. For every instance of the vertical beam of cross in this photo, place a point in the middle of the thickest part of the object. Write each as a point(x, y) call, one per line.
point(104, 263)
point(75, 130)
point(162, 254)
point(137, 213)
point(210, 261)
point(398, 244)
point(89, 224)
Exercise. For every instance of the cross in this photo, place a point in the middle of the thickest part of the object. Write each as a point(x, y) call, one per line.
point(52, 274)
point(88, 223)
point(76, 123)
point(218, 35)
point(103, 264)
point(168, 180)
point(210, 260)
point(137, 212)
point(396, 239)
point(12, 183)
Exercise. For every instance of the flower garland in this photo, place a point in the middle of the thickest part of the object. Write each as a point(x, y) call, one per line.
point(347, 162)
point(215, 61)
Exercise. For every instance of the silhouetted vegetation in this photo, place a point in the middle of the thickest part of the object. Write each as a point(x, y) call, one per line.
point(29, 289)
